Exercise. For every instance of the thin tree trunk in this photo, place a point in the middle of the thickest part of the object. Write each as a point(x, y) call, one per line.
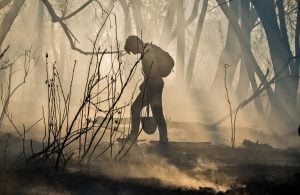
point(245, 21)
point(248, 20)
point(282, 23)
point(297, 49)
point(39, 42)
point(180, 57)
point(127, 19)
point(284, 35)
point(230, 53)
point(138, 17)
point(53, 41)
point(191, 64)
point(244, 82)
point(167, 26)
point(63, 57)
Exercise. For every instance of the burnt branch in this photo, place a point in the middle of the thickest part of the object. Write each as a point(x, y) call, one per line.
point(11, 90)
point(81, 134)
point(71, 37)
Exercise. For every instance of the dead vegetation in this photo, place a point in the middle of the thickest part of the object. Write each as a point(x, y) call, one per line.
point(79, 136)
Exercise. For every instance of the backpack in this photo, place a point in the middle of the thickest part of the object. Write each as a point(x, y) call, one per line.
point(164, 60)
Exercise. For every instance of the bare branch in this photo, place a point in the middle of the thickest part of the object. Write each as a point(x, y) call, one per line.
point(56, 18)
point(77, 11)
point(69, 34)
point(11, 90)
point(219, 5)
point(227, 97)
point(3, 53)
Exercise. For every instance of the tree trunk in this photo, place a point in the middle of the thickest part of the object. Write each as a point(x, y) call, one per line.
point(138, 17)
point(180, 58)
point(245, 21)
point(296, 73)
point(230, 54)
point(282, 23)
point(190, 68)
point(39, 43)
point(167, 26)
point(127, 18)
point(63, 57)
point(284, 35)
point(248, 19)
point(285, 90)
point(192, 17)
point(53, 41)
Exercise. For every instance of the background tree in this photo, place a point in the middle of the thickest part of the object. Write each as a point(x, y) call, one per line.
point(281, 55)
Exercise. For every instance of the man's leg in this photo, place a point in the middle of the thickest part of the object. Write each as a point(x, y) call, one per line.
point(155, 97)
point(136, 108)
point(161, 123)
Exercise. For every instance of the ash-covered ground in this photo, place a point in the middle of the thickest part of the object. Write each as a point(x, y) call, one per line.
point(183, 168)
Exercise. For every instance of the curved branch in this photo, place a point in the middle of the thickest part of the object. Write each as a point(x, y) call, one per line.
point(77, 11)
point(9, 19)
point(72, 39)
point(4, 51)
point(56, 18)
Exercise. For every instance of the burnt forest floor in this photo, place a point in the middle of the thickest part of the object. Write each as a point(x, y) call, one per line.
point(182, 168)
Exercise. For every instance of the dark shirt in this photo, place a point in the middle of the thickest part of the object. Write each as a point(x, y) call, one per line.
point(150, 67)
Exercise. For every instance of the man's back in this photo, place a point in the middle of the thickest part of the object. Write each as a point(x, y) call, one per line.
point(151, 67)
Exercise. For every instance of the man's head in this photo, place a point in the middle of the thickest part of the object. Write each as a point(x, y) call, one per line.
point(133, 44)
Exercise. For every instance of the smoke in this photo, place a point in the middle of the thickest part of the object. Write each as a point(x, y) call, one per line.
point(158, 168)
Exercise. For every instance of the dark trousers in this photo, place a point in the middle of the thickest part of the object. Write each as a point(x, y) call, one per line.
point(153, 96)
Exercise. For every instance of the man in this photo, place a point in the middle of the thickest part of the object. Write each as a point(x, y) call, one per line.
point(150, 90)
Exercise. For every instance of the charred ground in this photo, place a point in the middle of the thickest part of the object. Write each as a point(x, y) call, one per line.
point(251, 168)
